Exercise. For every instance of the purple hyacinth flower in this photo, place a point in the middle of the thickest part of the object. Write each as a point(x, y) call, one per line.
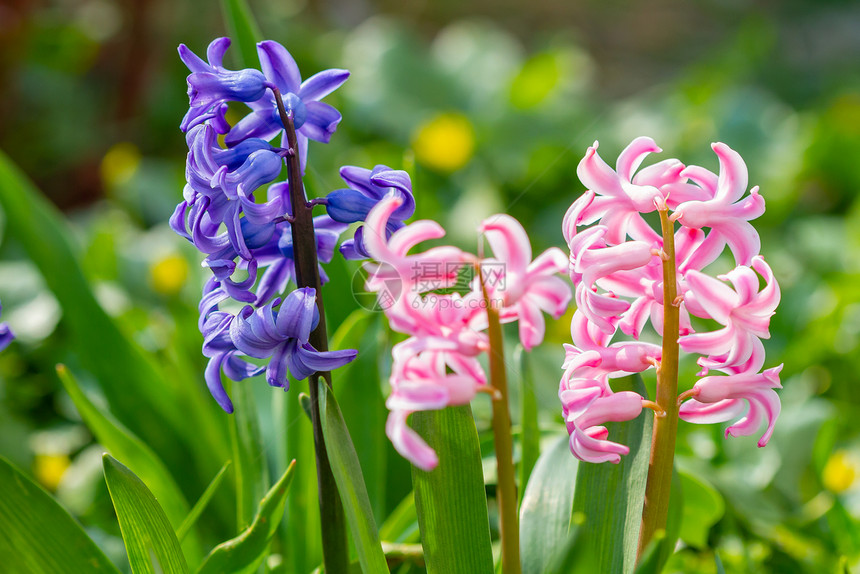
point(366, 189)
point(282, 336)
point(312, 118)
point(6, 334)
point(218, 347)
point(210, 86)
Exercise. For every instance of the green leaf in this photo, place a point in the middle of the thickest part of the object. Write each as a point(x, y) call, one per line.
point(362, 403)
point(247, 445)
point(402, 524)
point(244, 553)
point(350, 483)
point(611, 496)
point(573, 555)
point(131, 381)
point(139, 458)
point(703, 507)
point(650, 561)
point(530, 437)
point(40, 536)
point(545, 513)
point(201, 504)
point(149, 539)
point(450, 500)
point(721, 569)
point(243, 28)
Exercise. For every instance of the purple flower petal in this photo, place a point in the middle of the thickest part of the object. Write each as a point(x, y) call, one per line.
point(279, 66)
point(322, 84)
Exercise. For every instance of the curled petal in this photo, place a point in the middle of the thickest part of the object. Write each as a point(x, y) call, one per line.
point(407, 442)
point(588, 442)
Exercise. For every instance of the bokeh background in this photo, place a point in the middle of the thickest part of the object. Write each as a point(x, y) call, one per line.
point(489, 105)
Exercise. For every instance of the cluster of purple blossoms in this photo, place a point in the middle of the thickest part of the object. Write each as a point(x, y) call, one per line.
point(616, 267)
point(247, 243)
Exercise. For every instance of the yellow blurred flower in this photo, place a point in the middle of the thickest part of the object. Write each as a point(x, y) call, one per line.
point(49, 469)
point(120, 164)
point(445, 143)
point(168, 274)
point(839, 473)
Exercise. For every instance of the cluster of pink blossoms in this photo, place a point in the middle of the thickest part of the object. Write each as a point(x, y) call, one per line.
point(437, 365)
point(616, 268)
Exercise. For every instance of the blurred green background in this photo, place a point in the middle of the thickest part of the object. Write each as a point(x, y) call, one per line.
point(489, 105)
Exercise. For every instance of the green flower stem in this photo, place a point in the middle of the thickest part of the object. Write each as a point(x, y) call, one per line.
point(506, 489)
point(332, 519)
point(657, 489)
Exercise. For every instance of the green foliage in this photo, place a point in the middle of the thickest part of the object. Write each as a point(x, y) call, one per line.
point(611, 496)
point(247, 551)
point(547, 506)
point(350, 483)
point(149, 538)
point(450, 499)
point(39, 535)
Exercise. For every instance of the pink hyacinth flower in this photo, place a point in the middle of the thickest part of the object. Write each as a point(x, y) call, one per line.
point(720, 398)
point(588, 439)
point(744, 311)
point(591, 260)
point(528, 288)
point(403, 276)
point(621, 197)
point(422, 383)
point(726, 213)
point(591, 352)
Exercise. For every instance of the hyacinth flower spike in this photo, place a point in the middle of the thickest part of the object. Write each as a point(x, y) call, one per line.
point(660, 278)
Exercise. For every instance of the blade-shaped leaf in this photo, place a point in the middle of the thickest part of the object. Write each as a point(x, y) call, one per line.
point(545, 513)
point(201, 503)
point(402, 524)
point(242, 27)
point(611, 496)
point(139, 458)
point(245, 552)
point(247, 445)
point(362, 403)
point(530, 436)
point(40, 536)
point(450, 500)
point(149, 539)
point(350, 483)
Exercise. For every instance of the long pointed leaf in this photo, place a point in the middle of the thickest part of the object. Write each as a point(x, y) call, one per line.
point(149, 539)
point(350, 484)
point(530, 435)
point(545, 514)
point(362, 403)
point(247, 444)
point(201, 503)
point(121, 443)
point(611, 496)
point(450, 500)
point(245, 552)
point(40, 536)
